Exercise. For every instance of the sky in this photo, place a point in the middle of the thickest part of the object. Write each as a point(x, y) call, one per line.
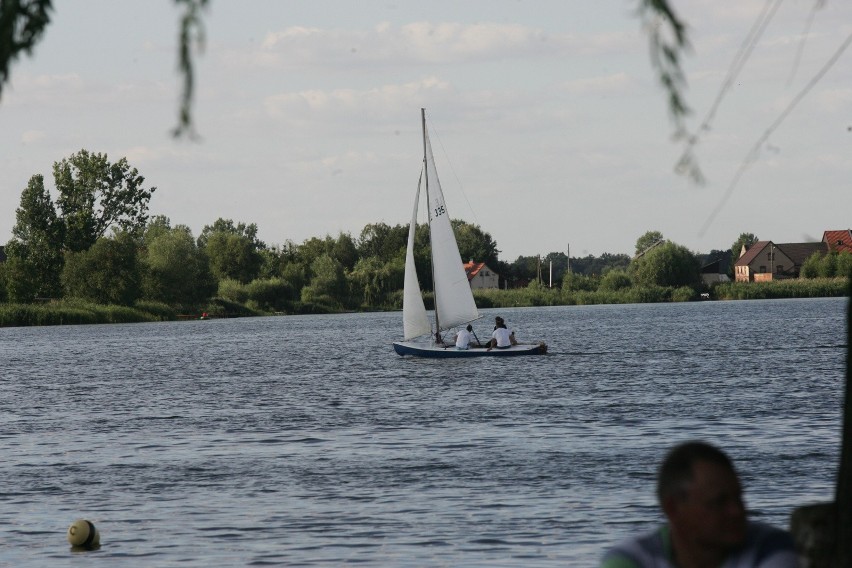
point(549, 127)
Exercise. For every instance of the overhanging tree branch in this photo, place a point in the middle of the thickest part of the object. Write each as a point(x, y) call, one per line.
point(191, 37)
point(22, 24)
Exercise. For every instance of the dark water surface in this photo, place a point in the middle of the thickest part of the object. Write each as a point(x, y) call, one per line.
point(306, 441)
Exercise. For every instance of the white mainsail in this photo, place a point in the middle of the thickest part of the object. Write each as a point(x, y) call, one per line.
point(453, 298)
point(415, 322)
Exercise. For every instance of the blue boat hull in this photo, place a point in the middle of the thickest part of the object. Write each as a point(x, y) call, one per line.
point(433, 351)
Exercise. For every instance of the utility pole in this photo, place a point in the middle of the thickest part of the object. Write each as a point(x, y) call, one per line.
point(568, 256)
point(772, 259)
point(538, 269)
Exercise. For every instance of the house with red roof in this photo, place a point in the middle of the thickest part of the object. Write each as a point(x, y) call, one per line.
point(838, 241)
point(479, 276)
point(765, 260)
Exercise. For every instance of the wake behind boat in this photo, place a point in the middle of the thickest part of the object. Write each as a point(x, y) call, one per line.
point(454, 303)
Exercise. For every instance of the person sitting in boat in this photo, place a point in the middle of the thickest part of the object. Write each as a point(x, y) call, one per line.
point(464, 338)
point(501, 338)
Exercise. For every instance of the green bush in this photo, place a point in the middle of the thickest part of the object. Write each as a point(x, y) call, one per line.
point(573, 282)
point(312, 308)
point(830, 265)
point(684, 294)
point(4, 294)
point(651, 294)
point(222, 307)
point(668, 264)
point(69, 312)
point(483, 301)
point(615, 280)
point(791, 288)
point(161, 311)
point(270, 294)
point(315, 296)
point(233, 291)
point(529, 296)
point(844, 264)
point(588, 298)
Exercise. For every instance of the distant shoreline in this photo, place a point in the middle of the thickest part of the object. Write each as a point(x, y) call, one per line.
point(76, 312)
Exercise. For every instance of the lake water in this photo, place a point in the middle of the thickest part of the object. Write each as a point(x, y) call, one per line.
point(304, 440)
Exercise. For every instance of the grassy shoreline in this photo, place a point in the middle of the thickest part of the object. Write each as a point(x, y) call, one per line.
point(76, 312)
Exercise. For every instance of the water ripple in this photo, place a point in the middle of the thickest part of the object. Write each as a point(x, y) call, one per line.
point(239, 442)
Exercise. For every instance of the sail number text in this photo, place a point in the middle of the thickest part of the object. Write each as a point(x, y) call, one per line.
point(440, 211)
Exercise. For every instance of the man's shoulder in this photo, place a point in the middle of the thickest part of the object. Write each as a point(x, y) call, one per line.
point(649, 549)
point(768, 546)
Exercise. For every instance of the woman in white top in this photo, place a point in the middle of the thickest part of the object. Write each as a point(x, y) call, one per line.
point(501, 337)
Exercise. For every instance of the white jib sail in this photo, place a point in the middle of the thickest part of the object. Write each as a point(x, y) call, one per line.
point(453, 297)
point(415, 322)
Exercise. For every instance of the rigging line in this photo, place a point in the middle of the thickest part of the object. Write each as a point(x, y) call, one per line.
point(817, 5)
point(742, 56)
point(753, 154)
point(739, 61)
point(452, 169)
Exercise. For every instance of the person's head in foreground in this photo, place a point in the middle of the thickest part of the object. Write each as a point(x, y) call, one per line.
point(700, 495)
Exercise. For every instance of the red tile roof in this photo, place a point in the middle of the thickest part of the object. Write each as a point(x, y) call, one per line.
point(473, 268)
point(838, 240)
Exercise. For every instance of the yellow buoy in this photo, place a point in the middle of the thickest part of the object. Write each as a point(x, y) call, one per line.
point(84, 534)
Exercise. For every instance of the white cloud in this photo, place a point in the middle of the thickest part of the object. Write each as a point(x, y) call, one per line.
point(75, 90)
point(32, 136)
point(328, 105)
point(609, 84)
point(27, 89)
point(419, 43)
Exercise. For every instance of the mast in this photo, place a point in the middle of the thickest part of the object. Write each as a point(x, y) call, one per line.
point(431, 248)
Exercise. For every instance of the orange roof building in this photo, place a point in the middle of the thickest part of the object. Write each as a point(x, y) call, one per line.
point(480, 276)
point(838, 241)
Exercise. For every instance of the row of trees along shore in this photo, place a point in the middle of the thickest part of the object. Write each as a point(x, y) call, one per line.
point(95, 255)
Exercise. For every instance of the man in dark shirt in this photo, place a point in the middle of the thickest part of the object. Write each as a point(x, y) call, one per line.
point(700, 494)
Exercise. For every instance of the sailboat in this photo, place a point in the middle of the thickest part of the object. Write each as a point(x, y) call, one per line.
point(454, 303)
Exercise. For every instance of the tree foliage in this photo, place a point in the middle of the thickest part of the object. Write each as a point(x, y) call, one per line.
point(22, 24)
point(342, 249)
point(270, 294)
point(220, 225)
point(105, 273)
point(374, 281)
point(474, 243)
point(95, 195)
point(744, 240)
point(233, 256)
point(576, 282)
point(35, 252)
point(175, 271)
point(828, 265)
point(328, 284)
point(615, 280)
point(21, 277)
point(668, 264)
point(233, 250)
point(382, 241)
point(648, 240)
